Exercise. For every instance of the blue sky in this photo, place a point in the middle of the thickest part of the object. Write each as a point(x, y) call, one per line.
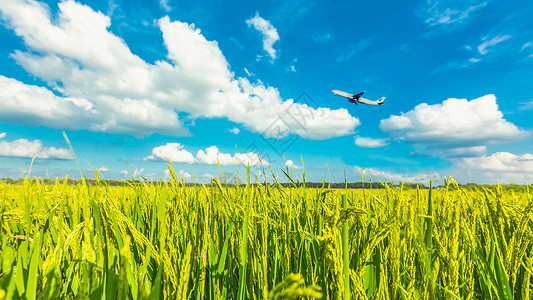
point(136, 83)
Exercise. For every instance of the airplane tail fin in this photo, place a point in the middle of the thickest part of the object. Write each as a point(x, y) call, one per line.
point(381, 100)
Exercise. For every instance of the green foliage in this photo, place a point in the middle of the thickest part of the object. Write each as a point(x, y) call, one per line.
point(263, 241)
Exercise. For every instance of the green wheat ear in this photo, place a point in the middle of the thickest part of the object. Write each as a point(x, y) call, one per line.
point(285, 240)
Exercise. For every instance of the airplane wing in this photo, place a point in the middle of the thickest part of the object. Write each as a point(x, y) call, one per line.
point(343, 94)
point(357, 96)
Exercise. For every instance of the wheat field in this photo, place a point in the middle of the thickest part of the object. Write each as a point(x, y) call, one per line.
point(159, 240)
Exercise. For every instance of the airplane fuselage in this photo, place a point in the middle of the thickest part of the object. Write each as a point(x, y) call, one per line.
point(358, 99)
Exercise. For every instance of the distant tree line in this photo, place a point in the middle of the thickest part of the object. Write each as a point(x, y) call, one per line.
point(332, 185)
point(354, 185)
point(73, 181)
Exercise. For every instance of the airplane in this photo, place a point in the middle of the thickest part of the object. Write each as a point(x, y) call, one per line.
point(358, 99)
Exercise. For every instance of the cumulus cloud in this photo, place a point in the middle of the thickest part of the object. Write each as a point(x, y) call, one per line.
point(269, 32)
point(28, 149)
point(455, 127)
point(504, 167)
point(184, 174)
point(173, 152)
point(461, 131)
point(33, 105)
point(176, 153)
point(234, 130)
point(103, 169)
point(208, 176)
point(370, 142)
point(448, 12)
point(212, 154)
point(181, 174)
point(101, 85)
point(385, 176)
point(289, 163)
point(499, 161)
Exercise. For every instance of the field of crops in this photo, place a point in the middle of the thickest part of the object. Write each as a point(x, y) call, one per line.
point(263, 241)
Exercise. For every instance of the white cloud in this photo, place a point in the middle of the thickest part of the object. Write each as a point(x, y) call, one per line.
point(270, 34)
point(172, 151)
point(209, 176)
point(456, 126)
point(111, 6)
point(460, 131)
point(181, 174)
point(235, 130)
point(459, 151)
point(504, 167)
point(248, 73)
point(290, 164)
point(184, 174)
point(101, 85)
point(528, 105)
point(212, 154)
point(33, 105)
point(370, 142)
point(385, 176)
point(28, 149)
point(164, 5)
point(103, 169)
point(292, 66)
point(448, 12)
point(527, 46)
point(483, 47)
point(262, 112)
point(176, 153)
point(499, 161)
